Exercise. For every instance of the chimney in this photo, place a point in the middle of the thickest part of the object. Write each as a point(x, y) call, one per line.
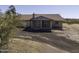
point(33, 15)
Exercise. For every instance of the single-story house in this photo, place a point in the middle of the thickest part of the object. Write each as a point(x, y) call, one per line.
point(42, 21)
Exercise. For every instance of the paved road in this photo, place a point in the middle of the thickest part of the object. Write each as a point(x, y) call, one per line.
point(54, 40)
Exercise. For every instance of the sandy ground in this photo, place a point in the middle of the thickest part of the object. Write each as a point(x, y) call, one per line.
point(29, 46)
point(57, 41)
point(71, 32)
point(65, 40)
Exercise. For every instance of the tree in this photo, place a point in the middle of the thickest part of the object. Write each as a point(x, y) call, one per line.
point(8, 24)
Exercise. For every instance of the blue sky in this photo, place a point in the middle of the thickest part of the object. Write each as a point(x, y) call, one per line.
point(66, 11)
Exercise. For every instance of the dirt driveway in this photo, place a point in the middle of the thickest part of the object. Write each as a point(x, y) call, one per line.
point(53, 39)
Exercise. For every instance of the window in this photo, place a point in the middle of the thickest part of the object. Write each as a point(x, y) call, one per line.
point(36, 24)
point(45, 24)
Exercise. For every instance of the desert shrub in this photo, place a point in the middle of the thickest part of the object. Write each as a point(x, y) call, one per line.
point(71, 21)
point(8, 25)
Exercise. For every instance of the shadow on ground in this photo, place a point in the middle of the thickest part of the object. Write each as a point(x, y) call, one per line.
point(28, 29)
